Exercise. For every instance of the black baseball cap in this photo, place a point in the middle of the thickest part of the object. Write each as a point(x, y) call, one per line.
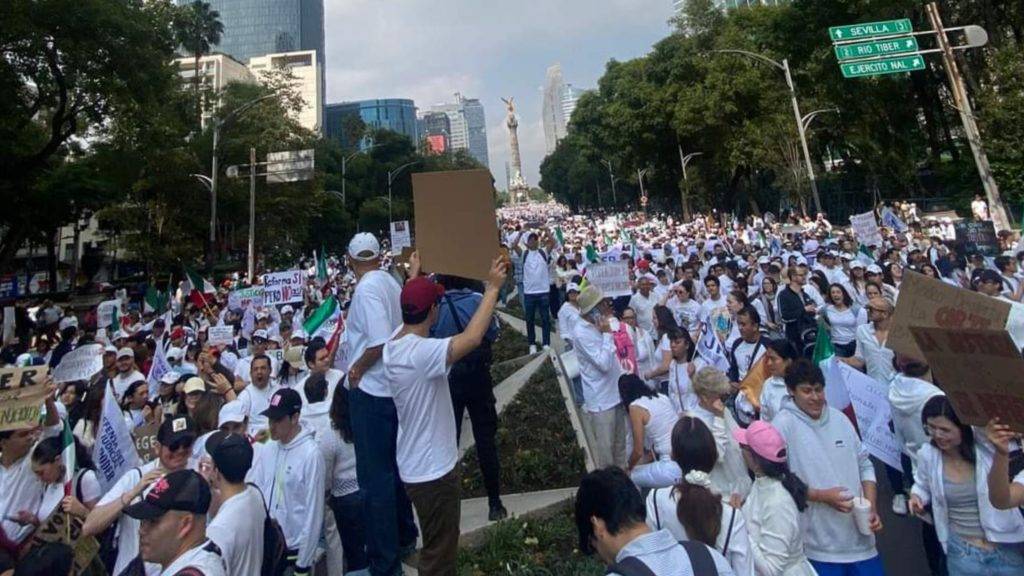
point(176, 431)
point(284, 402)
point(182, 490)
point(231, 453)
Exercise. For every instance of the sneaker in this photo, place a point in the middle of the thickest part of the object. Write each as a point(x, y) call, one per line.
point(533, 348)
point(497, 512)
point(899, 505)
point(547, 347)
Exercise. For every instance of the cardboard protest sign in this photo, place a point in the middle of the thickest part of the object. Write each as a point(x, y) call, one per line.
point(932, 303)
point(612, 278)
point(218, 335)
point(56, 529)
point(400, 236)
point(979, 370)
point(455, 228)
point(22, 393)
point(282, 287)
point(145, 441)
point(865, 228)
point(974, 236)
point(244, 297)
point(79, 364)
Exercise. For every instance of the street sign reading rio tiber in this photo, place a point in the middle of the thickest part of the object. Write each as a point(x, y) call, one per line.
point(876, 48)
point(870, 30)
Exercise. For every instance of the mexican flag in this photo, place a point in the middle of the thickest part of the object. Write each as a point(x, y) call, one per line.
point(864, 254)
point(197, 288)
point(836, 392)
point(591, 253)
point(68, 455)
point(823, 349)
point(154, 301)
point(322, 314)
point(559, 235)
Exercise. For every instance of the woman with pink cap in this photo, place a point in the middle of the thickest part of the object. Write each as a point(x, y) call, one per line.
point(773, 507)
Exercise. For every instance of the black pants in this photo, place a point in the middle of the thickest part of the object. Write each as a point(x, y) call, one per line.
point(554, 300)
point(474, 393)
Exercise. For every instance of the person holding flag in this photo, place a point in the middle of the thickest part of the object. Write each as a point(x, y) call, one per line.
point(66, 470)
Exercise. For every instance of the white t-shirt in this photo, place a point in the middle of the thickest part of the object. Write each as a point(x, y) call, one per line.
point(238, 530)
point(123, 381)
point(417, 372)
point(202, 558)
point(747, 354)
point(536, 277)
point(243, 368)
point(128, 527)
point(255, 401)
point(20, 489)
point(844, 324)
point(373, 316)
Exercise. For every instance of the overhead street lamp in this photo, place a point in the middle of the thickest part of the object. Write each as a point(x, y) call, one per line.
point(643, 194)
point(218, 125)
point(391, 177)
point(344, 168)
point(611, 175)
point(810, 116)
point(683, 161)
point(784, 66)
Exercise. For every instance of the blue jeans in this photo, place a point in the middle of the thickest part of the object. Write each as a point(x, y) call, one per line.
point(869, 567)
point(387, 511)
point(963, 559)
point(537, 303)
point(348, 515)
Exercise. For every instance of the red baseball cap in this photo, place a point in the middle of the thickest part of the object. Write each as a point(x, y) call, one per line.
point(419, 294)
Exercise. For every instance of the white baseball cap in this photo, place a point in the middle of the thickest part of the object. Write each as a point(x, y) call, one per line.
point(233, 412)
point(856, 264)
point(125, 352)
point(66, 322)
point(174, 353)
point(874, 269)
point(363, 247)
point(287, 309)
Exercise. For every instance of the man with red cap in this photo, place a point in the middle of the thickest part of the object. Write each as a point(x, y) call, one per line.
point(416, 368)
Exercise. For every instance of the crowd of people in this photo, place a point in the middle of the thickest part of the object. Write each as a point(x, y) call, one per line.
point(305, 446)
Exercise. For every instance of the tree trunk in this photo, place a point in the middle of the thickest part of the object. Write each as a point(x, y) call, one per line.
point(12, 239)
point(51, 258)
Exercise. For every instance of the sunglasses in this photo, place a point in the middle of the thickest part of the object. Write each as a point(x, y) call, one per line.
point(181, 444)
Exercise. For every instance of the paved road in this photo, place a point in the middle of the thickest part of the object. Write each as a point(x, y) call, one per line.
point(900, 540)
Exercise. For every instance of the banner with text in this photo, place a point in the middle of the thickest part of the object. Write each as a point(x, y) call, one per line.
point(22, 393)
point(244, 297)
point(79, 364)
point(220, 335)
point(865, 228)
point(401, 236)
point(282, 287)
point(611, 277)
point(114, 452)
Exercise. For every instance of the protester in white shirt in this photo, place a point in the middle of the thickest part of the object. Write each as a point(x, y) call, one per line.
point(569, 314)
point(651, 416)
point(536, 286)
point(126, 372)
point(729, 476)
point(238, 509)
point(843, 318)
point(600, 371)
point(417, 370)
point(255, 398)
point(643, 302)
point(779, 354)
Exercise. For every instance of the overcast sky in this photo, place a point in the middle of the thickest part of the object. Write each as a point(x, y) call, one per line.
point(427, 50)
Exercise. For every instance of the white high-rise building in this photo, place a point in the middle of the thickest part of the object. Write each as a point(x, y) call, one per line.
point(307, 80)
point(678, 5)
point(553, 108)
point(215, 72)
point(570, 97)
point(468, 126)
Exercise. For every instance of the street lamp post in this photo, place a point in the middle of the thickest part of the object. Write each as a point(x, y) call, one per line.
point(611, 176)
point(683, 161)
point(784, 66)
point(391, 177)
point(643, 194)
point(344, 168)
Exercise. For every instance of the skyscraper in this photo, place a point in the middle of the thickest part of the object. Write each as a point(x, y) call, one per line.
point(678, 5)
point(554, 115)
point(395, 114)
point(467, 126)
point(570, 97)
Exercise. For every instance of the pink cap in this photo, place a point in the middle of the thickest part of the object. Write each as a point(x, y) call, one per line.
point(763, 439)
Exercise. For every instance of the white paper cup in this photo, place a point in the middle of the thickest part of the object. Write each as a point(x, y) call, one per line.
point(862, 515)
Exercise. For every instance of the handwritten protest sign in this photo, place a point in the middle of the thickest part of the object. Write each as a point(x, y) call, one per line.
point(22, 393)
point(244, 297)
point(456, 232)
point(145, 441)
point(400, 236)
point(79, 364)
point(870, 400)
point(56, 529)
point(612, 278)
point(221, 335)
point(865, 228)
point(107, 312)
point(931, 303)
point(974, 236)
point(979, 370)
point(282, 287)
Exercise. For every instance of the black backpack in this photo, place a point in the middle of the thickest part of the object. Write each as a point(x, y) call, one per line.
point(275, 547)
point(476, 362)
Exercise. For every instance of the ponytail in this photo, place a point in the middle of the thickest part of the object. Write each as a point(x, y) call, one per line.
point(699, 508)
point(780, 471)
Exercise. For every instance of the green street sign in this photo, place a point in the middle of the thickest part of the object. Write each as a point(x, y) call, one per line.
point(870, 30)
point(880, 67)
point(876, 48)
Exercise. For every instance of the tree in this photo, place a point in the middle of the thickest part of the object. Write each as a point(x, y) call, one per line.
point(197, 28)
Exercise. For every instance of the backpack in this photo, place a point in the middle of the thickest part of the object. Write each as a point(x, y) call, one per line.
point(275, 548)
point(700, 559)
point(476, 362)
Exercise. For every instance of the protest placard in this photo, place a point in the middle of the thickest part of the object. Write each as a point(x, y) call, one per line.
point(456, 232)
point(114, 452)
point(979, 370)
point(57, 528)
point(79, 364)
point(282, 287)
point(107, 312)
point(933, 303)
point(22, 393)
point(612, 278)
point(145, 441)
point(221, 335)
point(865, 228)
point(401, 236)
point(976, 236)
point(244, 297)
point(870, 400)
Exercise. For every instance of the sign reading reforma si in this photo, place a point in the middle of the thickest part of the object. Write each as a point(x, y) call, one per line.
point(882, 67)
point(282, 287)
point(870, 29)
point(876, 48)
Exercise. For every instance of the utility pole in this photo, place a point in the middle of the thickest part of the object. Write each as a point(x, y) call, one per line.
point(803, 135)
point(611, 176)
point(683, 161)
point(963, 106)
point(252, 214)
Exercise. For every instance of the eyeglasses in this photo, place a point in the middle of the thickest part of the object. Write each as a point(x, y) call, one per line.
point(628, 317)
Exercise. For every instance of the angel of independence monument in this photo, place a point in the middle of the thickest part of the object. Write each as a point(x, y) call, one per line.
point(518, 190)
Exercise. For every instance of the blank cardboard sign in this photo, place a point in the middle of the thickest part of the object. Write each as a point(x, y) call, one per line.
point(456, 232)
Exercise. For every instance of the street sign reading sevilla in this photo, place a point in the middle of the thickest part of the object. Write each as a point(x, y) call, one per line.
point(876, 48)
point(881, 67)
point(870, 30)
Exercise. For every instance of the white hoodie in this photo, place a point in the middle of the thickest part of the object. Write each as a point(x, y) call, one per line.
point(826, 453)
point(292, 479)
point(907, 397)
